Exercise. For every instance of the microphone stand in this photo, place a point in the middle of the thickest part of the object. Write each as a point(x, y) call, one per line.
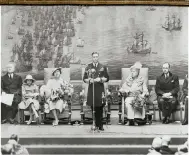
point(93, 125)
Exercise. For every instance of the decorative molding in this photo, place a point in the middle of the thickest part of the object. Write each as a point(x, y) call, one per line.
point(100, 2)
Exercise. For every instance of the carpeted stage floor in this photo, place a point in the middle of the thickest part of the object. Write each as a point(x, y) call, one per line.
point(48, 130)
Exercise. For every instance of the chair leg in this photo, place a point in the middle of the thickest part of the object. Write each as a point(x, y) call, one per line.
point(18, 116)
point(173, 116)
point(22, 116)
point(181, 114)
point(154, 117)
point(40, 117)
point(69, 118)
point(108, 119)
point(123, 111)
point(82, 118)
point(159, 115)
point(120, 111)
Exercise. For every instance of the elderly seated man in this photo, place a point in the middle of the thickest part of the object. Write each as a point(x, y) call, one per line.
point(136, 89)
point(11, 83)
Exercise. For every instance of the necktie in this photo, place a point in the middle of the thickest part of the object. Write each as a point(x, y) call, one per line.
point(10, 76)
point(166, 76)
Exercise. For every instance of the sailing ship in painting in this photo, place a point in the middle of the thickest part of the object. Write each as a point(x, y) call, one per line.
point(80, 42)
point(140, 45)
point(73, 59)
point(151, 8)
point(172, 23)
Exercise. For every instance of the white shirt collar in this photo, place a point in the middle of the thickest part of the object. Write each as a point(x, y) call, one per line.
point(10, 74)
point(95, 64)
point(166, 75)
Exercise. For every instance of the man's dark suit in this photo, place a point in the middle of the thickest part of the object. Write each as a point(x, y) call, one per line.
point(101, 71)
point(11, 86)
point(167, 85)
point(185, 99)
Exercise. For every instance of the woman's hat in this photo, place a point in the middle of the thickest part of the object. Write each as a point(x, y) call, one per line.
point(29, 77)
point(60, 69)
point(137, 65)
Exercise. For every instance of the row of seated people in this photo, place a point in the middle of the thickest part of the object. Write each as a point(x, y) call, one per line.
point(56, 95)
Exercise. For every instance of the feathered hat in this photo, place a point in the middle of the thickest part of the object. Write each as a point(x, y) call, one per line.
point(137, 65)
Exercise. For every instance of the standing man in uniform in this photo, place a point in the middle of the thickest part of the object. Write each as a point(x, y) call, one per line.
point(96, 73)
point(167, 87)
point(11, 84)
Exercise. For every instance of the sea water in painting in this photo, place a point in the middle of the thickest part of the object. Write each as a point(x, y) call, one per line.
point(37, 37)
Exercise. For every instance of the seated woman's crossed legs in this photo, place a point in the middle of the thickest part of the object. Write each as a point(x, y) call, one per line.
point(57, 107)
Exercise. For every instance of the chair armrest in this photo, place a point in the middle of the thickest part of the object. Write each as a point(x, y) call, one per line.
point(82, 93)
point(181, 105)
point(122, 94)
point(108, 93)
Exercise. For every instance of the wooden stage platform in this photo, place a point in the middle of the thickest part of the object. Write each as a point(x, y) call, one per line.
point(116, 139)
point(65, 130)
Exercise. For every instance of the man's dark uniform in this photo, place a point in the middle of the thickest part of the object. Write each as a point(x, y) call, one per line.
point(101, 71)
point(11, 86)
point(166, 85)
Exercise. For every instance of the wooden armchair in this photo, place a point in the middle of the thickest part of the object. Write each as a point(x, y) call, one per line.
point(86, 112)
point(125, 72)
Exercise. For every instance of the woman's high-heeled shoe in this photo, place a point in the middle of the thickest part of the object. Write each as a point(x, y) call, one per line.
point(29, 122)
point(55, 123)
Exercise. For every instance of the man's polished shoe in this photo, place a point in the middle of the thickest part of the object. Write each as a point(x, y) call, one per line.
point(131, 123)
point(167, 121)
point(164, 120)
point(12, 121)
point(101, 128)
point(185, 122)
point(4, 121)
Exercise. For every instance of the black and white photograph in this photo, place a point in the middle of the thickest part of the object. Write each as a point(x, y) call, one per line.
point(85, 79)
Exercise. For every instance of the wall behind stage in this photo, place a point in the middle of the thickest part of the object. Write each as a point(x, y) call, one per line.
point(109, 30)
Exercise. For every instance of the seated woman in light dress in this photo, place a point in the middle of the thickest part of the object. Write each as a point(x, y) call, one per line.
point(136, 89)
point(56, 87)
point(29, 93)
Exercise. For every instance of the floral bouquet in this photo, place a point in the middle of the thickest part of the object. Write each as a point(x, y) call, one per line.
point(67, 88)
point(55, 95)
point(138, 102)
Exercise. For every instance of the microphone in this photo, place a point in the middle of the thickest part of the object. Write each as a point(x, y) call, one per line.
point(93, 71)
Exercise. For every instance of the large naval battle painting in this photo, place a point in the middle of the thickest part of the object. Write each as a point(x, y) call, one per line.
point(37, 37)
